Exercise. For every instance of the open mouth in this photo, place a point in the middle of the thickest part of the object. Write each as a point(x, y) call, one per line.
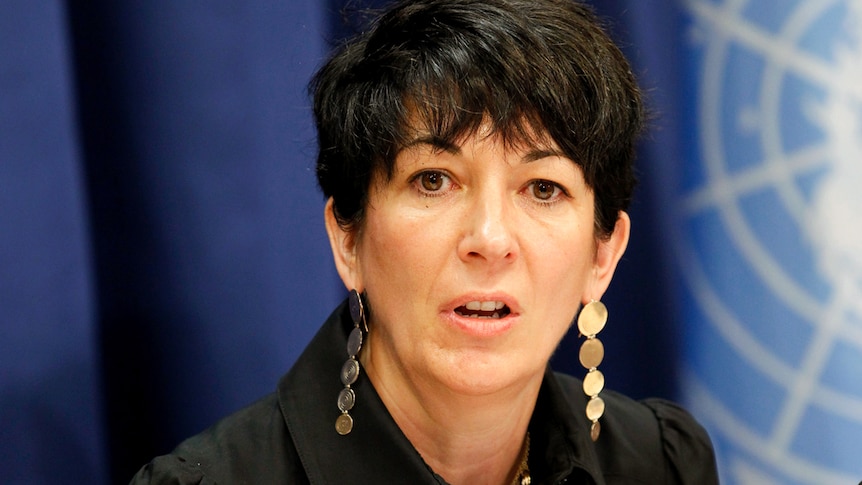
point(483, 309)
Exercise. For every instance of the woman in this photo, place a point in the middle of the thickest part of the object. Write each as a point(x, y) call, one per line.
point(477, 159)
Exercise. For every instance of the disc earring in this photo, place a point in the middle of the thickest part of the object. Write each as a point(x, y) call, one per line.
point(350, 369)
point(591, 321)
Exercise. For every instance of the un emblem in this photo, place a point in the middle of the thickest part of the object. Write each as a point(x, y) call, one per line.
point(768, 233)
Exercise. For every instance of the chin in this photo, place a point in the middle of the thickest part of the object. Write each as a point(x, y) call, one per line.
point(482, 373)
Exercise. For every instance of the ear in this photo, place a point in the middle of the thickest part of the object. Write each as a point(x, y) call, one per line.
point(343, 243)
point(608, 253)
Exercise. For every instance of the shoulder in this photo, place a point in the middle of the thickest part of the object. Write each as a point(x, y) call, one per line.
point(252, 445)
point(647, 439)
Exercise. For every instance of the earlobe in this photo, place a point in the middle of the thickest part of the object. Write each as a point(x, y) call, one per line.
point(608, 254)
point(343, 244)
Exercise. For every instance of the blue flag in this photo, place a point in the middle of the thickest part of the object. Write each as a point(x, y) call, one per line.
point(768, 236)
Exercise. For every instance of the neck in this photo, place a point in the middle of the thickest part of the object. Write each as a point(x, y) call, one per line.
point(466, 439)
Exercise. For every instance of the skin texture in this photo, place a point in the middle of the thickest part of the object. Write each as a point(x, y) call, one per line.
point(476, 221)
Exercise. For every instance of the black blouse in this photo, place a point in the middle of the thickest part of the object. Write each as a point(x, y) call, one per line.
point(289, 436)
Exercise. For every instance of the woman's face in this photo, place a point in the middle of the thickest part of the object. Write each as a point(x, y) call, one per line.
point(475, 259)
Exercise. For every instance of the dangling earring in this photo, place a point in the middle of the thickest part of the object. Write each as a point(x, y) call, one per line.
point(591, 321)
point(350, 369)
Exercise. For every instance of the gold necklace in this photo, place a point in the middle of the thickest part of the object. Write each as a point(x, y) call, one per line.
point(523, 475)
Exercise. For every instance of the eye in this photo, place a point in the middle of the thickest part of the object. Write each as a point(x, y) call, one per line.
point(430, 182)
point(545, 190)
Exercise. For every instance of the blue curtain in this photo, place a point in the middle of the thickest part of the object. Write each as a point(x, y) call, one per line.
point(164, 260)
point(50, 386)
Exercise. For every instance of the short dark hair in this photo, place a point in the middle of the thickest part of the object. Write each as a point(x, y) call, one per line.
point(530, 67)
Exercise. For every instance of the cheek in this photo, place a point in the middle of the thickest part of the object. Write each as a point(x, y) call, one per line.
point(566, 263)
point(571, 245)
point(398, 253)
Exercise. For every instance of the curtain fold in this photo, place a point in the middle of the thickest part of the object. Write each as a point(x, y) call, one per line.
point(50, 389)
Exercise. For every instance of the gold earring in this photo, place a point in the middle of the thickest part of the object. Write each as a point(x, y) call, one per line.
point(591, 321)
point(350, 369)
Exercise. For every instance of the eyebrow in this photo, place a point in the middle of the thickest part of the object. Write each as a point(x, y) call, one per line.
point(540, 153)
point(449, 147)
point(435, 142)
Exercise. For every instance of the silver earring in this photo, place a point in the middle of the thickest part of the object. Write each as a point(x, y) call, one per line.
point(591, 321)
point(350, 369)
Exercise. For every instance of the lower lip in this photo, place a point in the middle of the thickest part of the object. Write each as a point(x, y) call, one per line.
point(482, 327)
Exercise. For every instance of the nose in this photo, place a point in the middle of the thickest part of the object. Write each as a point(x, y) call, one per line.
point(488, 234)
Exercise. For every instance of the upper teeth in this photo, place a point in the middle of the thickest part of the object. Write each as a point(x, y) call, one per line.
point(485, 306)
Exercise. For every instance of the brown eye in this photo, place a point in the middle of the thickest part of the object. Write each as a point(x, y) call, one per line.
point(431, 181)
point(544, 190)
